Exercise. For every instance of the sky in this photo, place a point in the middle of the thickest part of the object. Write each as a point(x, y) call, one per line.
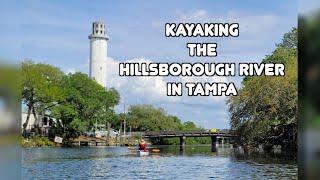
point(56, 33)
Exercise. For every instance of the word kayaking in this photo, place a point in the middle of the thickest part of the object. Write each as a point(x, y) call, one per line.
point(202, 30)
point(201, 69)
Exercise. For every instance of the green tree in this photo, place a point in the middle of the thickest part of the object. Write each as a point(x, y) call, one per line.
point(290, 40)
point(86, 104)
point(76, 101)
point(190, 126)
point(40, 88)
point(148, 118)
point(266, 103)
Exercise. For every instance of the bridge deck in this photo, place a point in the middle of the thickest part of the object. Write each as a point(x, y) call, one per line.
point(187, 134)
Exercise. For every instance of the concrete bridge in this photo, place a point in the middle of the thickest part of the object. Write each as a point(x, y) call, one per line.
point(225, 134)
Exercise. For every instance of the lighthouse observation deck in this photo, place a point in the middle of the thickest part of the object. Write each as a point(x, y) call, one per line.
point(98, 31)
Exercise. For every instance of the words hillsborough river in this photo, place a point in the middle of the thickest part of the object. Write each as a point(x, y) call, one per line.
point(197, 162)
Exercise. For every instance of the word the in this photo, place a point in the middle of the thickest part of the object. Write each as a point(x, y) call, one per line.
point(202, 49)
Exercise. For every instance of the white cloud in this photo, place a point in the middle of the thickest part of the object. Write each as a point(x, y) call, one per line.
point(198, 16)
point(153, 89)
point(148, 89)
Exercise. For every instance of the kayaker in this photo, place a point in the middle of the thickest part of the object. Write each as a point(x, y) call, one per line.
point(143, 145)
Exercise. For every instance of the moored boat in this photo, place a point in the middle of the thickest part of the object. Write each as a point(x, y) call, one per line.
point(155, 150)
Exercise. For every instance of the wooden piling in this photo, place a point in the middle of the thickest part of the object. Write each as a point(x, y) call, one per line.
point(182, 143)
point(213, 143)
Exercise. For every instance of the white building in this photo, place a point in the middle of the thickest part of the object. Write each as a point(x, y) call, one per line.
point(32, 121)
point(44, 122)
point(98, 53)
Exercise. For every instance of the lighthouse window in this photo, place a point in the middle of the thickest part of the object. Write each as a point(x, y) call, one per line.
point(97, 31)
point(101, 32)
point(101, 25)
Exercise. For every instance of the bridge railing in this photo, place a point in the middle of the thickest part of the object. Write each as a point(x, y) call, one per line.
point(175, 133)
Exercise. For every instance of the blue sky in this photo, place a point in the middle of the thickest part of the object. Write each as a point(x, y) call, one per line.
point(56, 32)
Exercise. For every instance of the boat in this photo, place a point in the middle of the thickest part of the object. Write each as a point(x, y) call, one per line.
point(155, 150)
point(142, 153)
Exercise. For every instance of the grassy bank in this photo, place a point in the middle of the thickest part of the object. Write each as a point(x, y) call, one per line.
point(36, 141)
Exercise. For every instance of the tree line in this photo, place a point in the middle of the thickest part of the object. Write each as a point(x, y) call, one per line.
point(78, 103)
point(149, 118)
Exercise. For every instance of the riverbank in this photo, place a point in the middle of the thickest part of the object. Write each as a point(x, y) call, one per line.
point(41, 141)
point(37, 141)
point(287, 149)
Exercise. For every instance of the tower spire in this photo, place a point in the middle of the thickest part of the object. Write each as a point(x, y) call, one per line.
point(98, 53)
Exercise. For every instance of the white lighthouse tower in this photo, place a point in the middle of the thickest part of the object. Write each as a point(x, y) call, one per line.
point(98, 53)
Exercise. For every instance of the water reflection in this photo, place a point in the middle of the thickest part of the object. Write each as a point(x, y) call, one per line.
point(197, 162)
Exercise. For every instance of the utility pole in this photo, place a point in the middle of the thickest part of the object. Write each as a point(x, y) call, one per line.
point(131, 135)
point(108, 125)
point(120, 133)
point(124, 123)
point(108, 134)
point(124, 119)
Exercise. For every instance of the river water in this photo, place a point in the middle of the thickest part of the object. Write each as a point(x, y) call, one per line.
point(197, 162)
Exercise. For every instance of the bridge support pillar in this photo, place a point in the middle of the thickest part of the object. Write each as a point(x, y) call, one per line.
point(182, 143)
point(213, 143)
